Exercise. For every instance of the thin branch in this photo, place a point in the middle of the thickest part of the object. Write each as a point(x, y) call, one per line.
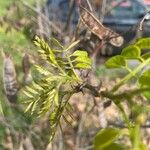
point(71, 9)
point(146, 17)
point(89, 5)
point(39, 19)
point(124, 95)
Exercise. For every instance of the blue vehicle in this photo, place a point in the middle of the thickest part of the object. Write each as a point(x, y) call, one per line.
point(125, 18)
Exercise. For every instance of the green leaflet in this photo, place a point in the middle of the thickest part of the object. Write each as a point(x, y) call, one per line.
point(144, 82)
point(85, 60)
point(37, 86)
point(105, 137)
point(71, 46)
point(28, 94)
point(56, 98)
point(1, 108)
point(143, 43)
point(43, 71)
point(81, 60)
point(146, 56)
point(145, 78)
point(82, 66)
point(146, 94)
point(34, 106)
point(31, 90)
point(131, 52)
point(116, 62)
point(80, 53)
point(29, 106)
point(56, 43)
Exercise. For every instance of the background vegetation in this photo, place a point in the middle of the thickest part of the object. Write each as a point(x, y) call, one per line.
point(70, 103)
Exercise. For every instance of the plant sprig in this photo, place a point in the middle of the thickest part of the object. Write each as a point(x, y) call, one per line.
point(51, 94)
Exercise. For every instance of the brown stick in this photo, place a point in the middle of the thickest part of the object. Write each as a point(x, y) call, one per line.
point(97, 49)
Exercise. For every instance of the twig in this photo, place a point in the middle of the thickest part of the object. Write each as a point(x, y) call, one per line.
point(111, 96)
point(39, 19)
point(61, 141)
point(89, 5)
point(80, 128)
point(146, 17)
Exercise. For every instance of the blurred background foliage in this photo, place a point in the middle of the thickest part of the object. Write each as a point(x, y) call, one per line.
point(16, 126)
point(19, 130)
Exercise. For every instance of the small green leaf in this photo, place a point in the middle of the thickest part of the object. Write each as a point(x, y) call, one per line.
point(53, 78)
point(31, 90)
point(105, 137)
point(147, 95)
point(80, 53)
point(116, 62)
point(56, 98)
point(29, 106)
point(146, 56)
point(37, 86)
point(56, 43)
point(27, 94)
point(144, 82)
point(84, 60)
point(143, 43)
point(36, 41)
point(82, 66)
point(52, 58)
point(131, 52)
point(42, 70)
point(81, 60)
point(1, 109)
point(41, 51)
point(145, 78)
point(72, 45)
point(34, 106)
